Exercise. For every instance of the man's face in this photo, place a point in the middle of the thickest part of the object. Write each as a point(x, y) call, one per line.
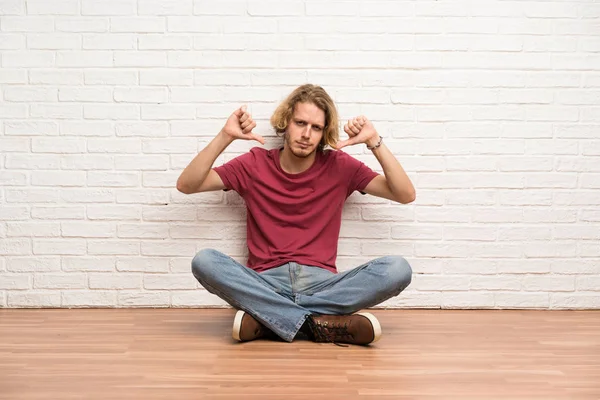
point(305, 129)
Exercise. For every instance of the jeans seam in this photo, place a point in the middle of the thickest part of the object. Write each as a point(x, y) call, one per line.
point(239, 306)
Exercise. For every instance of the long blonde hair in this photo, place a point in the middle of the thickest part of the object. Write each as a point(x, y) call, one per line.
point(309, 93)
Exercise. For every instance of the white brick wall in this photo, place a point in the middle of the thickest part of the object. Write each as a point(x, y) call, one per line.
point(493, 108)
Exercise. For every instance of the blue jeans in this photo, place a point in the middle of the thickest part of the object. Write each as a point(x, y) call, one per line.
point(282, 298)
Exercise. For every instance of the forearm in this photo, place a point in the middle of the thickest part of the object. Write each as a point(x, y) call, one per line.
point(196, 172)
point(397, 179)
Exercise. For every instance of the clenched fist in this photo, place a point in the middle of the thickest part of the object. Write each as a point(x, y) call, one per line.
point(360, 130)
point(239, 125)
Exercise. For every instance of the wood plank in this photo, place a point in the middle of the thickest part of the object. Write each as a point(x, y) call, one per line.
point(189, 353)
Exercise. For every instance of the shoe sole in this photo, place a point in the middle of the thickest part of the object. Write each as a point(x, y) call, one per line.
point(376, 325)
point(237, 325)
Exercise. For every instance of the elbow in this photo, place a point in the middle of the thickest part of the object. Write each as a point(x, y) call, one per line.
point(181, 187)
point(408, 197)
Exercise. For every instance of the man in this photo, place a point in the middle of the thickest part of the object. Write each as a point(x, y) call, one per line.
point(294, 197)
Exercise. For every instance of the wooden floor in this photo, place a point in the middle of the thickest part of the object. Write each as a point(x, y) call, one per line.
point(189, 354)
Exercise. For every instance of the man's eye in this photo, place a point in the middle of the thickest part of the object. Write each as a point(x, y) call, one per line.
point(317, 128)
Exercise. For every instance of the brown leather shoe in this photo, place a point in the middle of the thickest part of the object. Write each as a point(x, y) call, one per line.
point(246, 328)
point(360, 328)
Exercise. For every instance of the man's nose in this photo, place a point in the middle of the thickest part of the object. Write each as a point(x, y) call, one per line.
point(306, 132)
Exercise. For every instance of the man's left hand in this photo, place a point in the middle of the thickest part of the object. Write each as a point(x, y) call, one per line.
point(360, 130)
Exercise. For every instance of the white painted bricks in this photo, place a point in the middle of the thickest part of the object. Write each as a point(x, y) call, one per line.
point(493, 109)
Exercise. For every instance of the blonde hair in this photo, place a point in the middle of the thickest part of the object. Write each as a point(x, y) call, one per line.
point(309, 93)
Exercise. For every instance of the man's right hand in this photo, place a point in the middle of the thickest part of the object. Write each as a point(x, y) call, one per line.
point(239, 125)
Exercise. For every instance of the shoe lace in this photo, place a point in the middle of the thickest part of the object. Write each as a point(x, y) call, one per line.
point(330, 332)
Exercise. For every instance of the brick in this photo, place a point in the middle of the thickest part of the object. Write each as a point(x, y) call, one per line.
point(52, 178)
point(144, 299)
point(143, 129)
point(525, 198)
point(160, 77)
point(208, 231)
point(470, 267)
point(57, 7)
point(13, 111)
point(88, 229)
point(143, 231)
point(13, 7)
point(86, 128)
point(85, 94)
point(392, 213)
point(15, 247)
point(111, 111)
point(169, 281)
point(165, 7)
point(86, 298)
point(13, 76)
point(550, 250)
point(27, 24)
point(440, 282)
point(289, 8)
point(23, 229)
point(226, 7)
point(33, 264)
point(143, 196)
point(168, 112)
point(466, 300)
point(51, 145)
point(196, 298)
point(81, 24)
point(138, 25)
point(110, 77)
point(144, 163)
point(141, 59)
point(588, 283)
point(108, 7)
point(196, 24)
point(115, 281)
point(57, 212)
point(31, 128)
point(12, 42)
point(113, 247)
point(512, 300)
point(573, 301)
point(114, 145)
point(475, 233)
point(56, 111)
point(59, 281)
point(527, 266)
point(84, 59)
point(113, 212)
point(577, 164)
point(34, 299)
point(87, 162)
point(112, 41)
point(141, 95)
point(88, 264)
point(159, 179)
point(143, 264)
point(14, 213)
point(87, 195)
point(554, 215)
point(63, 247)
point(113, 179)
point(56, 77)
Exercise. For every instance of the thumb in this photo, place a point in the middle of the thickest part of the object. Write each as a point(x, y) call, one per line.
point(347, 142)
point(341, 144)
point(258, 138)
